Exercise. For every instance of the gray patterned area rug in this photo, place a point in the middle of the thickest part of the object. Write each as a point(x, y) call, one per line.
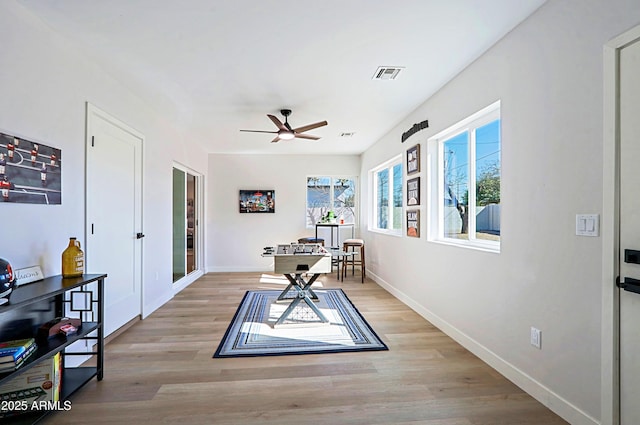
point(252, 331)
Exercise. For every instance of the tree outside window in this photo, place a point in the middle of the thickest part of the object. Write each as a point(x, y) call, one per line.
point(467, 188)
point(388, 196)
point(327, 193)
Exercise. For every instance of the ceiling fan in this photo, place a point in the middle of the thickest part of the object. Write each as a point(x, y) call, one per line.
point(285, 132)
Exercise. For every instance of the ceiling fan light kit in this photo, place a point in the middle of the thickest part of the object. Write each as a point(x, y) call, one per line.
point(285, 132)
point(286, 136)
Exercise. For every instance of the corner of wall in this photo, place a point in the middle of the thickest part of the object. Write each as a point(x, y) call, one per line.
point(537, 390)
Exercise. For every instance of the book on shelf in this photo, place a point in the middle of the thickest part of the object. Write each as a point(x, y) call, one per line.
point(13, 353)
point(18, 360)
point(10, 350)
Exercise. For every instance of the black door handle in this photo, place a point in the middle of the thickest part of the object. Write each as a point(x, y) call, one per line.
point(632, 256)
point(139, 235)
point(629, 284)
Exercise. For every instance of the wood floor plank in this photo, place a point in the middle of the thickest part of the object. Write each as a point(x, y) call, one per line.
point(161, 371)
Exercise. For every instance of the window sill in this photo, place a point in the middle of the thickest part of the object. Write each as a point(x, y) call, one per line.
point(397, 233)
point(485, 247)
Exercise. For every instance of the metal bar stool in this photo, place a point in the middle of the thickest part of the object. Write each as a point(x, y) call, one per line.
point(351, 245)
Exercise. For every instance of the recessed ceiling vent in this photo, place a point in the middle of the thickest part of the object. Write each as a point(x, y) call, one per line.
point(347, 134)
point(387, 72)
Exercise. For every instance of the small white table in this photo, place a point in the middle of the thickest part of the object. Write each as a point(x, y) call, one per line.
point(337, 228)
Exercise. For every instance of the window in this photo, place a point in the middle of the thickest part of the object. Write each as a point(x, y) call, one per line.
point(386, 182)
point(465, 182)
point(327, 193)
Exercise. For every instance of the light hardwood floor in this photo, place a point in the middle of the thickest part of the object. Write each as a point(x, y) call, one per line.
point(161, 371)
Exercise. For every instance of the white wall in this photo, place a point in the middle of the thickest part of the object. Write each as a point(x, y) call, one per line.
point(45, 84)
point(548, 73)
point(235, 240)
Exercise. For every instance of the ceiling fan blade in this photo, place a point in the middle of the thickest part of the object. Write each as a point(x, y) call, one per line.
point(258, 131)
point(307, 136)
point(277, 139)
point(310, 127)
point(277, 122)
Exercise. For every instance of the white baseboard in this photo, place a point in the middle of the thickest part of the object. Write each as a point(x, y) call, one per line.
point(150, 307)
point(537, 390)
point(186, 281)
point(215, 269)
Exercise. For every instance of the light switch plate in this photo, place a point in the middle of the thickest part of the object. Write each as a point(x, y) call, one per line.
point(536, 337)
point(587, 224)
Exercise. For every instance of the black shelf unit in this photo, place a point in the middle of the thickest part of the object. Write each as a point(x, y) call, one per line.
point(36, 303)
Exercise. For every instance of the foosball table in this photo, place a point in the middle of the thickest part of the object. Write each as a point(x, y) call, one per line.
point(295, 261)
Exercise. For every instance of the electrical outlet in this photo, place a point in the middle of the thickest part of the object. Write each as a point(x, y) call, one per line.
point(536, 337)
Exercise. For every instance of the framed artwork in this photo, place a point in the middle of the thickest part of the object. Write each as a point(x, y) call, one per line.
point(30, 172)
point(413, 223)
point(413, 192)
point(257, 201)
point(413, 159)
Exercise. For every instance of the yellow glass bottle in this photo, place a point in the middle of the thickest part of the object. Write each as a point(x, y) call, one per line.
point(72, 259)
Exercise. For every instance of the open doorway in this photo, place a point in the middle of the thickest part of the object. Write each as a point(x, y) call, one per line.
point(186, 237)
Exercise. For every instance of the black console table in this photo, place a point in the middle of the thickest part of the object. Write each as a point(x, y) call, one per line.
point(36, 303)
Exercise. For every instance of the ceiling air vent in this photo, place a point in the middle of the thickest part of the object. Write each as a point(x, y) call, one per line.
point(387, 72)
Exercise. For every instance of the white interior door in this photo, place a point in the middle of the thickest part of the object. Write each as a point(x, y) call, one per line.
point(630, 233)
point(114, 214)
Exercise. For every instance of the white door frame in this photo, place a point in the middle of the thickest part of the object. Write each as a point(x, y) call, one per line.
point(187, 280)
point(91, 111)
point(610, 366)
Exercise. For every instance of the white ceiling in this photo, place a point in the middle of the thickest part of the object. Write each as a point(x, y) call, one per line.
point(215, 67)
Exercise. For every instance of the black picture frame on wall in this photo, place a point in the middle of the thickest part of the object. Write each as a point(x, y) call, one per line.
point(257, 201)
point(413, 223)
point(413, 159)
point(30, 171)
point(413, 192)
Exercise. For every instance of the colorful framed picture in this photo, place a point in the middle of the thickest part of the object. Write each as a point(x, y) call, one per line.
point(413, 223)
point(257, 201)
point(30, 172)
point(413, 192)
point(413, 159)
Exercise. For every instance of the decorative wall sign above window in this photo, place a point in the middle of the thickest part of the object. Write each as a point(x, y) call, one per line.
point(30, 172)
point(413, 130)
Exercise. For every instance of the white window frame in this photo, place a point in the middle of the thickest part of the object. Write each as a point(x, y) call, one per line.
point(356, 211)
point(435, 158)
point(373, 184)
